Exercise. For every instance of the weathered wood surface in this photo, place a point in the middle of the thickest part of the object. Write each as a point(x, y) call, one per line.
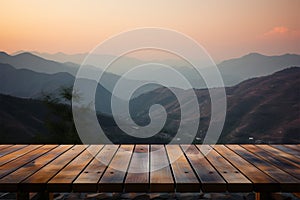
point(149, 168)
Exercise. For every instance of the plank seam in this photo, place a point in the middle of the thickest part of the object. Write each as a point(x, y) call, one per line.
point(171, 169)
point(94, 157)
point(107, 167)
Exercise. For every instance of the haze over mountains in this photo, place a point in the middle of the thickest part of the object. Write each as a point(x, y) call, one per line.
point(233, 71)
point(265, 108)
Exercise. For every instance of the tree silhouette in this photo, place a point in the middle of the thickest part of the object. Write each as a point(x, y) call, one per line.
point(60, 122)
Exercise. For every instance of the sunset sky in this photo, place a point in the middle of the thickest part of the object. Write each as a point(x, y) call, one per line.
point(229, 28)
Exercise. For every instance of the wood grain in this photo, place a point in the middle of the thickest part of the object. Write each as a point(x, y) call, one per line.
point(235, 179)
point(88, 180)
point(137, 179)
point(161, 179)
point(10, 182)
point(184, 176)
point(282, 163)
point(37, 182)
point(154, 168)
point(287, 182)
point(261, 181)
point(210, 179)
point(18, 153)
point(113, 178)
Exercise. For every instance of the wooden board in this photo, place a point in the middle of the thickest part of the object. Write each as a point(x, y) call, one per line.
point(279, 153)
point(113, 178)
point(210, 179)
point(161, 179)
point(22, 160)
point(88, 180)
point(294, 147)
point(184, 176)
point(235, 179)
point(10, 182)
point(18, 153)
point(137, 168)
point(37, 182)
point(11, 149)
point(5, 146)
point(282, 163)
point(137, 179)
point(261, 181)
point(62, 181)
point(293, 154)
point(287, 182)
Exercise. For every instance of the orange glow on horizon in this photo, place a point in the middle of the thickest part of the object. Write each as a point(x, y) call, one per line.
point(226, 30)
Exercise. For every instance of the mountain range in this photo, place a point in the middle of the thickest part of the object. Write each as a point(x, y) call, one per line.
point(261, 110)
point(233, 70)
point(39, 66)
point(31, 75)
point(264, 109)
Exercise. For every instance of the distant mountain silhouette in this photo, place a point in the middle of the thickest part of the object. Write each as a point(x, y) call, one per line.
point(233, 71)
point(29, 84)
point(255, 65)
point(29, 61)
point(35, 63)
point(79, 58)
point(236, 70)
point(266, 109)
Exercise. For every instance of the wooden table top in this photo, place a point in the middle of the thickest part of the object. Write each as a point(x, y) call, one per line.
point(67, 168)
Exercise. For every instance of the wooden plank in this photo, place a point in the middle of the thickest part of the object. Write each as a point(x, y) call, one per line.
point(20, 161)
point(4, 146)
point(294, 147)
point(62, 182)
point(261, 181)
point(88, 180)
point(137, 179)
point(282, 163)
point(184, 176)
point(280, 153)
point(287, 182)
point(10, 182)
point(37, 182)
point(11, 149)
point(294, 153)
point(210, 179)
point(14, 158)
point(18, 153)
point(113, 178)
point(236, 181)
point(161, 179)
